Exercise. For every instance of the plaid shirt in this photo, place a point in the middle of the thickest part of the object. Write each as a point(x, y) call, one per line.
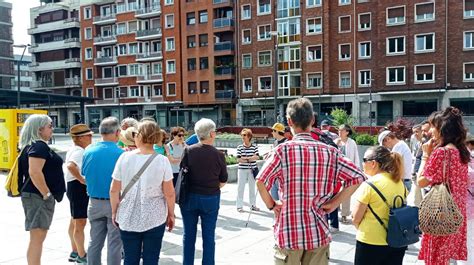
point(308, 172)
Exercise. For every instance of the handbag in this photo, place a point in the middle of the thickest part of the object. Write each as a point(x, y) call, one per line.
point(403, 224)
point(439, 214)
point(181, 181)
point(137, 176)
point(255, 171)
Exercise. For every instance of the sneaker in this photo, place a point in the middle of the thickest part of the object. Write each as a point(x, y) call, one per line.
point(73, 256)
point(254, 208)
point(82, 260)
point(345, 220)
point(333, 230)
point(240, 210)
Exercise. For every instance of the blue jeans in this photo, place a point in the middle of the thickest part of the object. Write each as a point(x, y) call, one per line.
point(333, 218)
point(274, 191)
point(143, 244)
point(407, 183)
point(205, 207)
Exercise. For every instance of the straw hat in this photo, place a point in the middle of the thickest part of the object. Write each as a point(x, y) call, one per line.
point(126, 136)
point(80, 130)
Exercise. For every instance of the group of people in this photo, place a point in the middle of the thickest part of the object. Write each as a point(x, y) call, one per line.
point(124, 185)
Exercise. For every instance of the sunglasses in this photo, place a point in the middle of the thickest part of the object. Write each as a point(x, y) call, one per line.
point(243, 135)
point(180, 135)
point(368, 159)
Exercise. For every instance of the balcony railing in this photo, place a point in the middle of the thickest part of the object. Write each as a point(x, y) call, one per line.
point(148, 32)
point(72, 60)
point(216, 2)
point(223, 22)
point(291, 12)
point(149, 55)
point(100, 39)
point(153, 77)
point(111, 16)
point(224, 46)
point(225, 94)
point(67, 82)
point(224, 70)
point(155, 8)
point(106, 81)
point(105, 59)
point(69, 40)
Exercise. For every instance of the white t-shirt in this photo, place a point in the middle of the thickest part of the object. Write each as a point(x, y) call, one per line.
point(74, 155)
point(144, 206)
point(402, 148)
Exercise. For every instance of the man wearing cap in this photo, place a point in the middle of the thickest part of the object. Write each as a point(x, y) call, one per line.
point(278, 132)
point(97, 168)
point(325, 126)
point(81, 135)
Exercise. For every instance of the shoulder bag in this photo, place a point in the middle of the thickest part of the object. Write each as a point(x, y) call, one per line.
point(138, 175)
point(181, 181)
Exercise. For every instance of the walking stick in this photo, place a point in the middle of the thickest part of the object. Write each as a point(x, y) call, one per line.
point(250, 213)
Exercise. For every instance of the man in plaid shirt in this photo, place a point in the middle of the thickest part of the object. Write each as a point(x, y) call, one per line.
point(308, 172)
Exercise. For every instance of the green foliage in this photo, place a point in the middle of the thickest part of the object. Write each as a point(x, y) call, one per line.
point(231, 160)
point(340, 116)
point(366, 139)
point(228, 136)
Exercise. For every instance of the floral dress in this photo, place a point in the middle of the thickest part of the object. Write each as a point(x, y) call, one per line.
point(437, 250)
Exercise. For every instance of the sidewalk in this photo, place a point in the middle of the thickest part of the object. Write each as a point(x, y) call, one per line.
point(236, 244)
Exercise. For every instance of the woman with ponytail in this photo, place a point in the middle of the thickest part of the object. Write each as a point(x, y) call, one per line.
point(385, 171)
point(447, 142)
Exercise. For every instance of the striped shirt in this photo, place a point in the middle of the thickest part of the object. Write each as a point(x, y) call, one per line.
point(308, 172)
point(246, 152)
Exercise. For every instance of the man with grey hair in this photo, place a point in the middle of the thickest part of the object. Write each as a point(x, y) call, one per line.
point(308, 172)
point(98, 164)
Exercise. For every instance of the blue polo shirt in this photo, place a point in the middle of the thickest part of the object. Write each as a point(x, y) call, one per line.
point(97, 167)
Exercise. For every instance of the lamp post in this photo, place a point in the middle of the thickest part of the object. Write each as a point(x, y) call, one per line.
point(275, 34)
point(24, 46)
point(370, 106)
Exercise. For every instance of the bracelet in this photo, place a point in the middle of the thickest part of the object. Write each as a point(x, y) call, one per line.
point(271, 208)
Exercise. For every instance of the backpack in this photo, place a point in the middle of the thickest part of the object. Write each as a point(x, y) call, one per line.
point(323, 137)
point(15, 179)
point(403, 223)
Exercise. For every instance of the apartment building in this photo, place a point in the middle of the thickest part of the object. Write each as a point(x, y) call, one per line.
point(383, 59)
point(56, 62)
point(6, 41)
point(25, 73)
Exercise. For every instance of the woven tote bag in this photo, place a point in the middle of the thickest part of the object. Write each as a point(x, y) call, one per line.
point(439, 215)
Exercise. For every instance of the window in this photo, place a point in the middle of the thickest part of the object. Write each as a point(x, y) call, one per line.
point(170, 67)
point(468, 9)
point(247, 85)
point(191, 41)
point(365, 78)
point(132, 48)
point(191, 64)
point(395, 16)
point(107, 72)
point(313, 3)
point(424, 43)
point(192, 88)
point(264, 83)
point(247, 60)
point(344, 2)
point(424, 12)
point(314, 53)
point(264, 7)
point(190, 18)
point(344, 52)
point(89, 74)
point(171, 89)
point(87, 13)
point(88, 54)
point(158, 90)
point(203, 40)
point(90, 92)
point(396, 45)
point(344, 79)
point(157, 68)
point(424, 73)
point(88, 33)
point(132, 26)
point(468, 40)
point(365, 21)
point(315, 80)
point(314, 26)
point(134, 91)
point(264, 58)
point(108, 93)
point(134, 69)
point(170, 44)
point(264, 32)
point(204, 87)
point(396, 75)
point(122, 49)
point(169, 21)
point(365, 51)
point(246, 12)
point(169, 2)
point(203, 16)
point(122, 71)
point(344, 24)
point(121, 28)
point(246, 39)
point(203, 63)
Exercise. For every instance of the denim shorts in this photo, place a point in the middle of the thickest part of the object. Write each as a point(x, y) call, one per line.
point(38, 212)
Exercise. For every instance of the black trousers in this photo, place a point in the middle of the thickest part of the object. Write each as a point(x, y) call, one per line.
point(366, 254)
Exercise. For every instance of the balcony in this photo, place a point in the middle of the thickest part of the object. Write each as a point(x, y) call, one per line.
point(289, 38)
point(105, 60)
point(105, 19)
point(224, 95)
point(55, 45)
point(110, 81)
point(287, 13)
point(223, 24)
point(50, 84)
point(224, 72)
point(222, 3)
point(289, 92)
point(105, 40)
point(148, 12)
point(289, 66)
point(56, 65)
point(56, 25)
point(146, 79)
point(148, 34)
point(224, 47)
point(149, 56)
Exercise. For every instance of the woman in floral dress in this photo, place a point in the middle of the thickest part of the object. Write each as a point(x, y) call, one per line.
point(448, 141)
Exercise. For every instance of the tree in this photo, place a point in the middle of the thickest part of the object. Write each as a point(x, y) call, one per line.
point(340, 116)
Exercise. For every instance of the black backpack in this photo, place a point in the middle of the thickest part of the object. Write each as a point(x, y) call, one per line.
point(324, 138)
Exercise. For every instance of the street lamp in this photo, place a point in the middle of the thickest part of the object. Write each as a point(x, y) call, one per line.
point(24, 46)
point(275, 34)
point(370, 105)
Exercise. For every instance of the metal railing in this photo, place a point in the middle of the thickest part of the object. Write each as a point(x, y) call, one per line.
point(216, 2)
point(101, 81)
point(224, 46)
point(225, 94)
point(225, 70)
point(105, 38)
point(105, 17)
point(69, 40)
point(223, 22)
point(148, 32)
point(152, 77)
point(148, 55)
point(72, 60)
point(151, 9)
point(105, 59)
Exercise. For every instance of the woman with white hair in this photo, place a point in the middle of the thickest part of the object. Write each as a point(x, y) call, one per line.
point(207, 173)
point(40, 171)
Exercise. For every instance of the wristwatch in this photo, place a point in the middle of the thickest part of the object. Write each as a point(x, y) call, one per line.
point(46, 197)
point(271, 208)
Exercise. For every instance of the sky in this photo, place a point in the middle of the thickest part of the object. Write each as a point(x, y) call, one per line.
point(21, 21)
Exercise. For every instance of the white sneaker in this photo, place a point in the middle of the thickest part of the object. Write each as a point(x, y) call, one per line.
point(333, 230)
